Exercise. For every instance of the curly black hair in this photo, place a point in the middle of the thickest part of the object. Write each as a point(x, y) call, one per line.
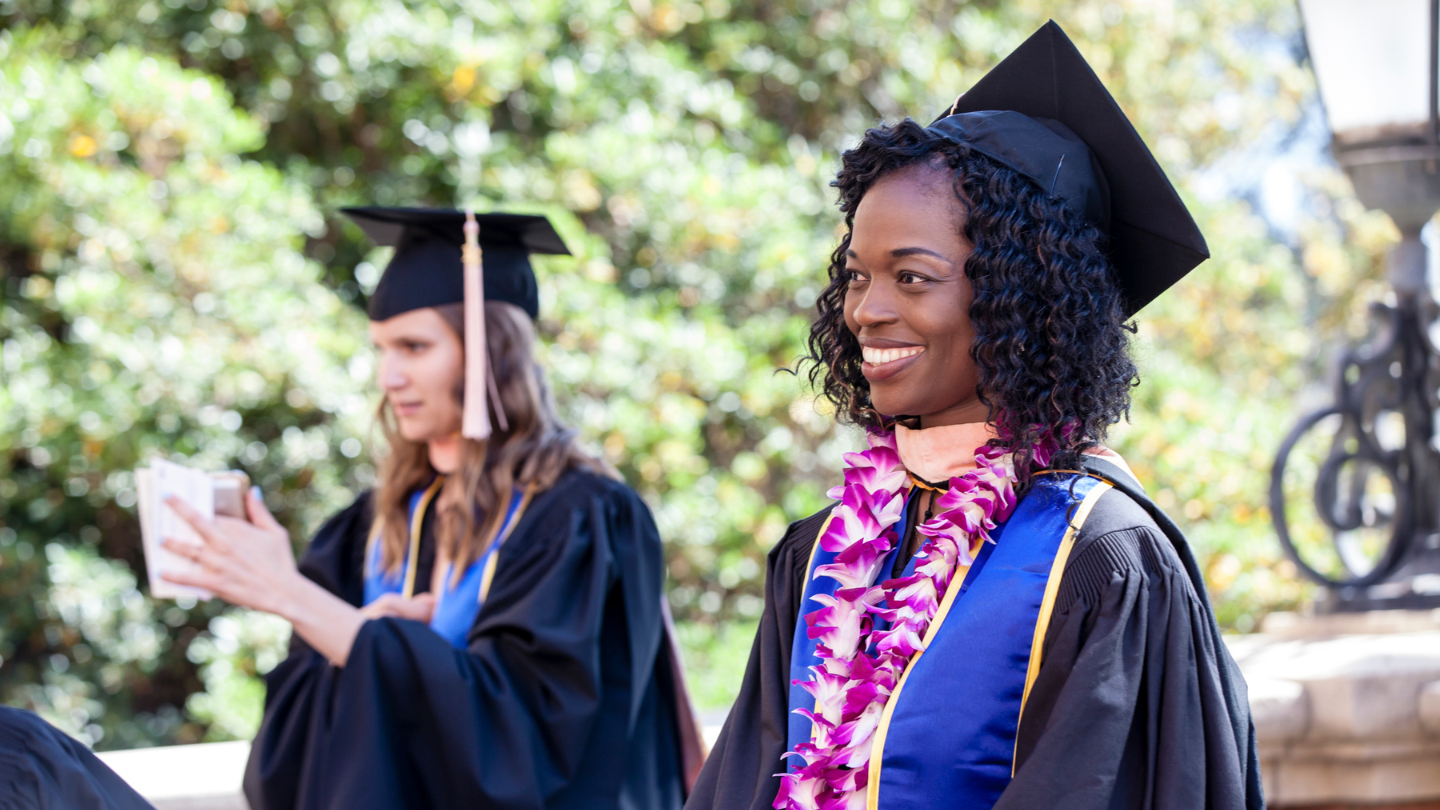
point(1051, 339)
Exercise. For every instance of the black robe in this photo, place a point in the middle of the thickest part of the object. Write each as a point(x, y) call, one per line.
point(563, 699)
point(42, 768)
point(1137, 704)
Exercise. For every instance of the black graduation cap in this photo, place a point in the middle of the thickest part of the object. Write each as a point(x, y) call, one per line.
point(426, 270)
point(1044, 113)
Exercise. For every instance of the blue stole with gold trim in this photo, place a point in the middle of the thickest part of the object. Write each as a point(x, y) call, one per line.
point(458, 603)
point(947, 737)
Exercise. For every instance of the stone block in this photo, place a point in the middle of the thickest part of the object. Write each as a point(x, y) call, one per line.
point(1280, 708)
point(1430, 708)
point(1346, 719)
point(205, 776)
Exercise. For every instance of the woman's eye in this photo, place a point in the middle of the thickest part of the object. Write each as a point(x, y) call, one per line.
point(907, 277)
point(853, 277)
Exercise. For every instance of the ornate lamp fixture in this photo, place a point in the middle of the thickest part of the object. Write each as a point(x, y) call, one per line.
point(1377, 63)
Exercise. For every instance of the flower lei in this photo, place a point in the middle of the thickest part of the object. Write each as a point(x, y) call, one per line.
point(861, 665)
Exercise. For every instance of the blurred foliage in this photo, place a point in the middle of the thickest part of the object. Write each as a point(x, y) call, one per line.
point(156, 301)
point(175, 278)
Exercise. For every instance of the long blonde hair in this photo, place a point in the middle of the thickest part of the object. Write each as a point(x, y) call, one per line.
point(532, 452)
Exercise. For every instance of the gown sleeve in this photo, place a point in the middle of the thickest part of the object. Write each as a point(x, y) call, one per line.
point(555, 679)
point(740, 773)
point(40, 768)
point(1130, 709)
point(281, 753)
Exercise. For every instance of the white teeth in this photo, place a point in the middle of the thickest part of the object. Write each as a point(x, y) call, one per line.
point(879, 357)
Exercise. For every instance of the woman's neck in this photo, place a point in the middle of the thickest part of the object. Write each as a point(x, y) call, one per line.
point(961, 413)
point(445, 453)
point(942, 452)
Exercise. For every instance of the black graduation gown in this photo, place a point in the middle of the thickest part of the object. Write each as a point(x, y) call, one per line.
point(563, 698)
point(42, 768)
point(1137, 704)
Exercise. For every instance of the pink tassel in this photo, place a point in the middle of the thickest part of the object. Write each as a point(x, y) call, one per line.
point(476, 421)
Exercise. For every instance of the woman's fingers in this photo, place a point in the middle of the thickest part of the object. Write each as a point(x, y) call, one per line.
point(205, 528)
point(259, 515)
point(419, 608)
point(199, 554)
point(199, 578)
point(189, 551)
point(384, 606)
point(246, 562)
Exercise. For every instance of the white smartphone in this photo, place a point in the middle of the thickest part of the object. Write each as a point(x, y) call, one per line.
point(210, 494)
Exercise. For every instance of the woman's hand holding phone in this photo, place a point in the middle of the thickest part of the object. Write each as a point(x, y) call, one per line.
point(245, 562)
point(250, 563)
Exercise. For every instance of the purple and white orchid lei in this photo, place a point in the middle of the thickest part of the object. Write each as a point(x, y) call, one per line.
point(860, 665)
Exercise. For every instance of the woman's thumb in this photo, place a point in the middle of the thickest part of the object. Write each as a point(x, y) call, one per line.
point(259, 515)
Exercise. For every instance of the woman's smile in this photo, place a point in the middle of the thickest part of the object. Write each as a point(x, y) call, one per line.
point(884, 363)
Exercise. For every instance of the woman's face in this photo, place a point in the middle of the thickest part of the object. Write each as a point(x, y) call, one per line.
point(422, 364)
point(908, 301)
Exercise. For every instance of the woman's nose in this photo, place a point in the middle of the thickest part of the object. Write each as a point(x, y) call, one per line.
point(877, 305)
point(392, 377)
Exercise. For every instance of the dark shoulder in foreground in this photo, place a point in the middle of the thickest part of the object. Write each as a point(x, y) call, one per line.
point(42, 768)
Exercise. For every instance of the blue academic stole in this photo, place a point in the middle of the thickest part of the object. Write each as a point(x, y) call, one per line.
point(947, 735)
point(458, 602)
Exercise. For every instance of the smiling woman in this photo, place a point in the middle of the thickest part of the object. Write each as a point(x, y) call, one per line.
point(947, 230)
point(993, 614)
point(899, 298)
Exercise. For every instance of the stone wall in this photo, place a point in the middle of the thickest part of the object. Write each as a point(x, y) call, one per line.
point(185, 777)
point(1346, 708)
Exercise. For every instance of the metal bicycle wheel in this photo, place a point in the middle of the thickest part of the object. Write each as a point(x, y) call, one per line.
point(1343, 512)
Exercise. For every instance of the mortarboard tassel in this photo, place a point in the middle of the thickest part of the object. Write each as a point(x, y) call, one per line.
point(475, 424)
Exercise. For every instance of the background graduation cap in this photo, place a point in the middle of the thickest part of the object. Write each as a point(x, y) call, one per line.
point(1072, 139)
point(443, 256)
point(426, 268)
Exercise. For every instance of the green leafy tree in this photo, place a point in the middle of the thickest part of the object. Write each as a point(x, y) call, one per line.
point(156, 302)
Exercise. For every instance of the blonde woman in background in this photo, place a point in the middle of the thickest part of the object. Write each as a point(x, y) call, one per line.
point(484, 628)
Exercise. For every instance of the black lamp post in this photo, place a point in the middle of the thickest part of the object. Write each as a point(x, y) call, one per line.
point(1377, 63)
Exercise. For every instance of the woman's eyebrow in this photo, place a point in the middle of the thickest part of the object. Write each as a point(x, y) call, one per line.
point(898, 253)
